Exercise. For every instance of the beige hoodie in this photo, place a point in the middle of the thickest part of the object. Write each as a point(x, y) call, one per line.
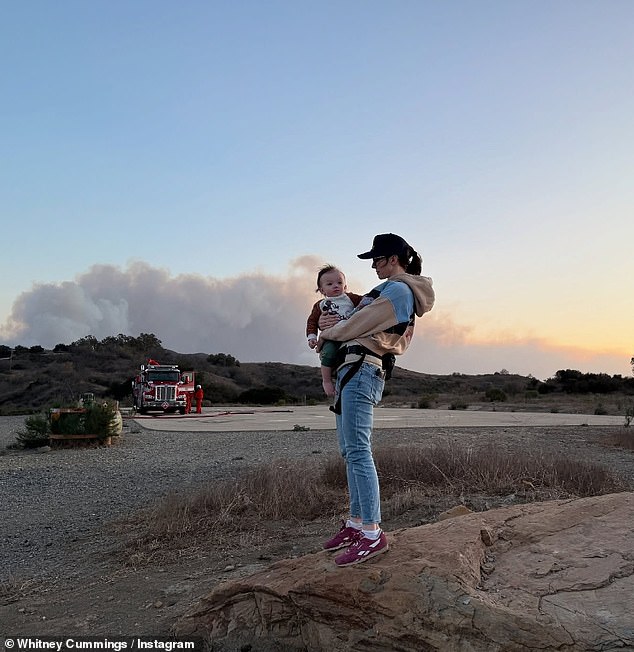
point(382, 325)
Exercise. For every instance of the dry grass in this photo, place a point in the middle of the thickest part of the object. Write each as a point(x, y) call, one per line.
point(15, 588)
point(281, 490)
point(238, 512)
point(624, 438)
point(462, 470)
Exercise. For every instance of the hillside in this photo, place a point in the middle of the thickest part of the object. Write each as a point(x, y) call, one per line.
point(35, 378)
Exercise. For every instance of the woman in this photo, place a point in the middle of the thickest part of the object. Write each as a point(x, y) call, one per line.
point(382, 326)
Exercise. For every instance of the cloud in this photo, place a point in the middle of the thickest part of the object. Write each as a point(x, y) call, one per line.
point(441, 346)
point(257, 318)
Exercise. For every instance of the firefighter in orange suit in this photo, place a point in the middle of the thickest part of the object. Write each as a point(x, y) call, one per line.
point(198, 395)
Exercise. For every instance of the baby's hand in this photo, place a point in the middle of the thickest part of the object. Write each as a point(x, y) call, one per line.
point(312, 343)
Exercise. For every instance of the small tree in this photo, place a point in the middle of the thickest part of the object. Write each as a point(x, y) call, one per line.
point(495, 394)
point(629, 415)
point(35, 433)
point(262, 395)
point(97, 419)
point(223, 360)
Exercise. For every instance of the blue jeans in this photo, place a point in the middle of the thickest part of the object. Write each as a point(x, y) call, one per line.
point(354, 431)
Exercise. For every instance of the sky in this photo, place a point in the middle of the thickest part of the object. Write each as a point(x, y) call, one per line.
point(184, 169)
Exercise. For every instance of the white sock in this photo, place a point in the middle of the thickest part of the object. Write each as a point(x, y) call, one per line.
point(356, 526)
point(371, 534)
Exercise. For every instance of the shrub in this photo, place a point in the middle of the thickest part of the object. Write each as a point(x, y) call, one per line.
point(495, 394)
point(36, 432)
point(223, 360)
point(220, 393)
point(629, 415)
point(119, 390)
point(426, 401)
point(97, 419)
point(263, 395)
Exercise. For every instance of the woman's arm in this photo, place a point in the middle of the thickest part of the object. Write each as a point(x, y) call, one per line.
point(394, 303)
point(376, 317)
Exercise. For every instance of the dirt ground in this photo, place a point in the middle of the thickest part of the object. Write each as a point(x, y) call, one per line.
point(111, 590)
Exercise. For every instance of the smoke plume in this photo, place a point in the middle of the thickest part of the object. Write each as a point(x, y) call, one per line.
point(253, 317)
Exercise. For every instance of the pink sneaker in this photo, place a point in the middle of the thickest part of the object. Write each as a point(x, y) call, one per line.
point(343, 538)
point(362, 549)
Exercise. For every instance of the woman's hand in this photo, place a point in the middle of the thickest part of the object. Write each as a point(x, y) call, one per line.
point(328, 321)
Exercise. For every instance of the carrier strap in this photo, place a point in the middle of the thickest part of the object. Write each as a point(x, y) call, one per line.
point(354, 367)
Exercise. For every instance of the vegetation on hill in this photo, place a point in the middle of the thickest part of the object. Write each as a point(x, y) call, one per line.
point(32, 378)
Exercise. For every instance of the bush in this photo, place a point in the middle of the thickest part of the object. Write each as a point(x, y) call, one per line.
point(223, 360)
point(97, 419)
point(495, 394)
point(263, 396)
point(629, 415)
point(219, 392)
point(36, 432)
point(119, 390)
point(426, 401)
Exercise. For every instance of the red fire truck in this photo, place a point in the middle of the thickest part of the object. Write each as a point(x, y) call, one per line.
point(162, 387)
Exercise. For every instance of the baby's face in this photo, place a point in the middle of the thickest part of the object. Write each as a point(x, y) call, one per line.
point(332, 284)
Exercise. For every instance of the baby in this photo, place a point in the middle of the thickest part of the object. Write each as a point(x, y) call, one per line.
point(331, 282)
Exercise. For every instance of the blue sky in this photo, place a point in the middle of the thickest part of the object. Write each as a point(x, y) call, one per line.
point(228, 146)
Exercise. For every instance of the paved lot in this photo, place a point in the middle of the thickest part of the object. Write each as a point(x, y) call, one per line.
point(320, 418)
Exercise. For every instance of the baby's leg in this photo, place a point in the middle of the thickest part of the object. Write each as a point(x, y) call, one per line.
point(326, 381)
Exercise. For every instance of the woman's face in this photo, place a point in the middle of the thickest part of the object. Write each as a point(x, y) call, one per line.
point(382, 265)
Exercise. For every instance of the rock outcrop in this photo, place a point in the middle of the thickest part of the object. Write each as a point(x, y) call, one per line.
point(544, 576)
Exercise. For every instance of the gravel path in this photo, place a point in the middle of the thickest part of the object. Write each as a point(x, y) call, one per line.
point(53, 502)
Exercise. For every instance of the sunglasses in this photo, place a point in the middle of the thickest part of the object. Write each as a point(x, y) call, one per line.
point(377, 260)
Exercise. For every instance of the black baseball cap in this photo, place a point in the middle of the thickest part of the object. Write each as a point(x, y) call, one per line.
point(386, 244)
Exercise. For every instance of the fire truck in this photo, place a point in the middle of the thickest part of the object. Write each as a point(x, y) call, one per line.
point(162, 387)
